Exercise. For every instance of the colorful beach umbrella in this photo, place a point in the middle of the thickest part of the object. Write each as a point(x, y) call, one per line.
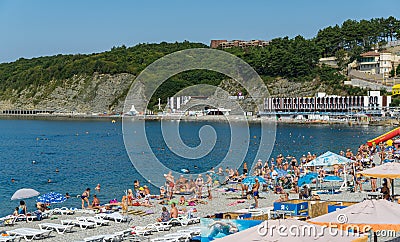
point(51, 197)
point(290, 230)
point(252, 180)
point(24, 193)
point(373, 214)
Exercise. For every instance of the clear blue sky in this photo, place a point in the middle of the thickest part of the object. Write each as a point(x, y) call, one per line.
point(31, 28)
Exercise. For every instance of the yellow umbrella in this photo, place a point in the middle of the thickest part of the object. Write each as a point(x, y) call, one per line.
point(367, 215)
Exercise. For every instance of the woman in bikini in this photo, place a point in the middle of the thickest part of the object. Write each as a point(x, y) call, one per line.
point(85, 197)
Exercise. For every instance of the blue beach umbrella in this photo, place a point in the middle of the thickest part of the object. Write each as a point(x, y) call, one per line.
point(333, 179)
point(281, 173)
point(51, 197)
point(307, 179)
point(251, 180)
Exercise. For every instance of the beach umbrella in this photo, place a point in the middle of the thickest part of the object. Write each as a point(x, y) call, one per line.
point(307, 178)
point(387, 170)
point(290, 230)
point(373, 214)
point(281, 173)
point(251, 180)
point(24, 193)
point(52, 197)
point(333, 179)
point(329, 159)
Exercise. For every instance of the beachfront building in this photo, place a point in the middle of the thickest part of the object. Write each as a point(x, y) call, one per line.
point(238, 43)
point(373, 104)
point(374, 62)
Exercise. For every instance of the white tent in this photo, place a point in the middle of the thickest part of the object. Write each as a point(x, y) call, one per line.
point(330, 159)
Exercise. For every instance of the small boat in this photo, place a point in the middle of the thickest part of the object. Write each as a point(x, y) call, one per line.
point(185, 170)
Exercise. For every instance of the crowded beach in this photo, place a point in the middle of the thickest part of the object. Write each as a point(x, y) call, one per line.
point(174, 211)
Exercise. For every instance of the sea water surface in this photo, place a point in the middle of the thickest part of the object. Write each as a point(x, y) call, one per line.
point(88, 152)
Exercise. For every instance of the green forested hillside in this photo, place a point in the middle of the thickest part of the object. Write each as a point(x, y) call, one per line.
point(294, 59)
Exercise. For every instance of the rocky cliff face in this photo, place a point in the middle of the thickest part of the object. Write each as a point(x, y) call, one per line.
point(82, 94)
point(106, 93)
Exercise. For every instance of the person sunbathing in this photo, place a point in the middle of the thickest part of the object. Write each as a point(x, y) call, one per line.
point(165, 216)
point(95, 202)
point(278, 189)
point(182, 201)
point(283, 198)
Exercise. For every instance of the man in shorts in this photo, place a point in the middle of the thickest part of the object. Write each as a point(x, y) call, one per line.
point(255, 188)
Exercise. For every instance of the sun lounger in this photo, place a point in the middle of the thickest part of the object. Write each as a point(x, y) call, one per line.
point(96, 238)
point(8, 220)
point(96, 220)
point(8, 238)
point(118, 236)
point(179, 236)
point(59, 228)
point(23, 217)
point(162, 226)
point(30, 234)
point(117, 217)
point(164, 239)
point(81, 224)
point(195, 231)
point(183, 221)
point(63, 211)
point(140, 230)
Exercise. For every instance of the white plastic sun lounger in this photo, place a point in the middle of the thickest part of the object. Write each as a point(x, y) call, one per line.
point(183, 221)
point(160, 226)
point(96, 238)
point(59, 228)
point(81, 224)
point(97, 221)
point(117, 217)
point(164, 239)
point(30, 234)
point(117, 236)
point(63, 211)
point(140, 230)
point(8, 238)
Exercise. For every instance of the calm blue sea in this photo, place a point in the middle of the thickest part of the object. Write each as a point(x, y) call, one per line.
point(88, 152)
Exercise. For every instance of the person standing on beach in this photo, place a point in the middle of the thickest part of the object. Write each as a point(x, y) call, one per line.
point(255, 188)
point(85, 197)
point(199, 184)
point(373, 181)
point(174, 211)
point(209, 183)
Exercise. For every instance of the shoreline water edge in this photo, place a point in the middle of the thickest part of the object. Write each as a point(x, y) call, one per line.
point(207, 118)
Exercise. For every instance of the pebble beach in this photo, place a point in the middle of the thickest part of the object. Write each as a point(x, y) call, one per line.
point(221, 202)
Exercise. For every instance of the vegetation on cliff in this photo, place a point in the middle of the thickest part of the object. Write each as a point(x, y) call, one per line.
point(294, 59)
